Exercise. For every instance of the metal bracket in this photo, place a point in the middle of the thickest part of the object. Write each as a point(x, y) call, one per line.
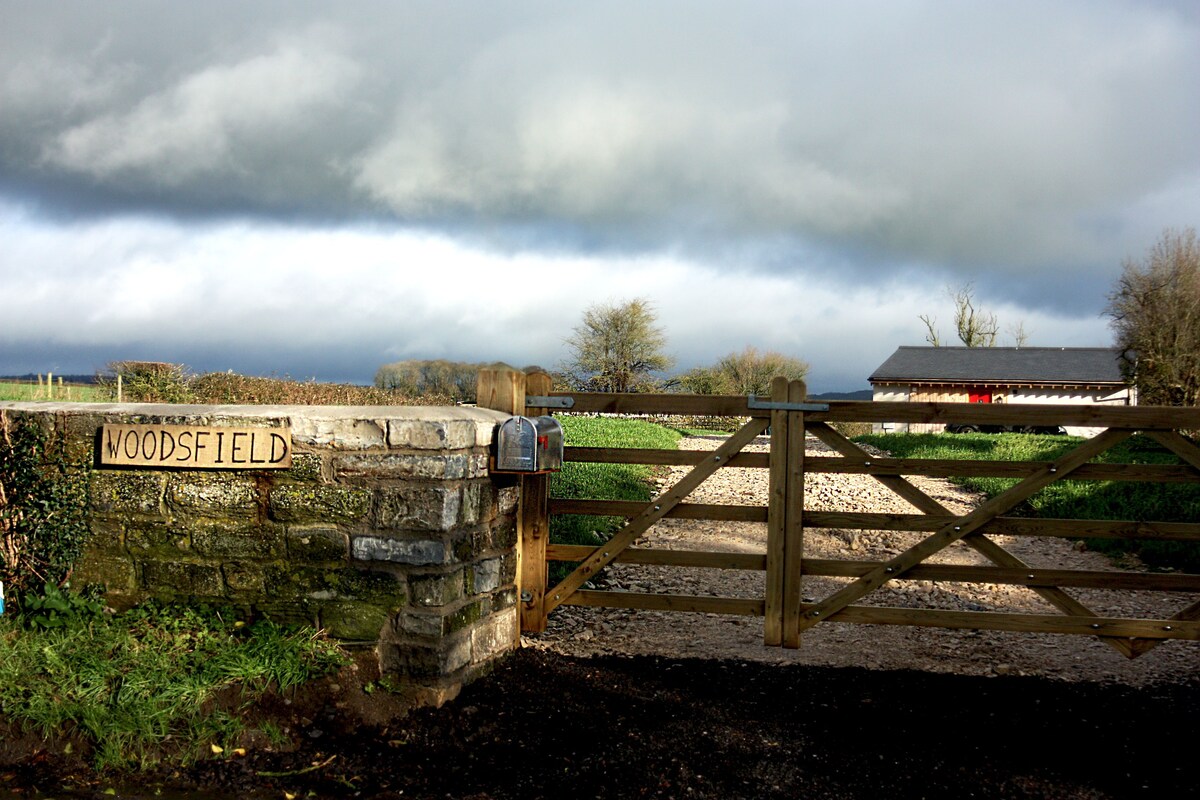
point(545, 401)
point(766, 405)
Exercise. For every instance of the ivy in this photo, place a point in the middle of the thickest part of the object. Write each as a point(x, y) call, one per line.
point(43, 506)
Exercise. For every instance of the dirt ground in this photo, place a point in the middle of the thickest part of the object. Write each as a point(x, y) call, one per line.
point(618, 704)
point(546, 725)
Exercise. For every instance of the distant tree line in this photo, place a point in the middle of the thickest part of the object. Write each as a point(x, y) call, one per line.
point(435, 377)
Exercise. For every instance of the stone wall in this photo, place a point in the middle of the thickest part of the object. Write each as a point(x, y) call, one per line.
point(386, 529)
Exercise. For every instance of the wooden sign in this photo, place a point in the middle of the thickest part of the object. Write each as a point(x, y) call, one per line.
point(195, 447)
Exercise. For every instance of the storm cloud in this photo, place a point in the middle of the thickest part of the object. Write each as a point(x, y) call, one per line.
point(874, 151)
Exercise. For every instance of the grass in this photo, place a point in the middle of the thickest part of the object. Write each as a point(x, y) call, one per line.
point(144, 685)
point(75, 393)
point(603, 481)
point(1101, 500)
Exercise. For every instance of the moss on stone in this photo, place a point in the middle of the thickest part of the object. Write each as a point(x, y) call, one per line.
point(300, 503)
point(305, 467)
point(126, 491)
point(237, 539)
point(157, 538)
point(212, 493)
point(354, 621)
point(316, 545)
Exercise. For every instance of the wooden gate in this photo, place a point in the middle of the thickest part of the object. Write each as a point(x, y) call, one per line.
point(790, 419)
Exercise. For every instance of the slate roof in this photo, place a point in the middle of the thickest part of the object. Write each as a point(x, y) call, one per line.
point(1034, 365)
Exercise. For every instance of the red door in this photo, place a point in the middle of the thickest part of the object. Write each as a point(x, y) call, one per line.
point(979, 397)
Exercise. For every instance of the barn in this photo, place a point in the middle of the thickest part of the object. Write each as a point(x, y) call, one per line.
point(1000, 375)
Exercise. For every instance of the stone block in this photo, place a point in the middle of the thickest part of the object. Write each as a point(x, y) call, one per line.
point(400, 551)
point(244, 578)
point(486, 576)
point(495, 636)
point(237, 539)
point(432, 434)
point(212, 493)
point(465, 617)
point(435, 625)
point(318, 544)
point(476, 502)
point(477, 465)
point(418, 661)
point(329, 504)
point(437, 589)
point(507, 499)
point(379, 588)
point(343, 434)
point(305, 467)
point(505, 598)
point(504, 534)
point(110, 571)
point(356, 622)
point(175, 578)
point(127, 491)
point(107, 537)
point(400, 466)
point(425, 625)
point(158, 538)
point(417, 507)
point(81, 432)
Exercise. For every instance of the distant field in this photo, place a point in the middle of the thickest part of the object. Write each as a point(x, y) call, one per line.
point(27, 392)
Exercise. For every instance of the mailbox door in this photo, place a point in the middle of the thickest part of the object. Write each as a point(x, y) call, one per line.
point(549, 444)
point(516, 445)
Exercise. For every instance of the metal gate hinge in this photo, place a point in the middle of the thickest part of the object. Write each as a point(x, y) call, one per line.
point(767, 405)
point(545, 401)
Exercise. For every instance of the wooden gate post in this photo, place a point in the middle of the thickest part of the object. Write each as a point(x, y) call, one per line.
point(794, 524)
point(785, 517)
point(534, 528)
point(776, 517)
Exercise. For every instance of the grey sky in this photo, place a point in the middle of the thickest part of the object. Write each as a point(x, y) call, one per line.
point(802, 176)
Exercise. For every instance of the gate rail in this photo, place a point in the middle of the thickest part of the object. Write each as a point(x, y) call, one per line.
point(786, 614)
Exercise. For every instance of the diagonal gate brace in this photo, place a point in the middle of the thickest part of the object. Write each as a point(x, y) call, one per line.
point(658, 508)
point(962, 527)
point(1058, 598)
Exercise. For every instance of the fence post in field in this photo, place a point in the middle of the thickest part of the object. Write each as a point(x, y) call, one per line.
point(534, 527)
point(119, 389)
point(49, 385)
point(39, 389)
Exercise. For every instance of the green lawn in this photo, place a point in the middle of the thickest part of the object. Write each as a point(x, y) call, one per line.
point(76, 393)
point(603, 481)
point(1117, 500)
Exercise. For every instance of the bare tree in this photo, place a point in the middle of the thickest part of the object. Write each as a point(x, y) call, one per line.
point(1019, 334)
point(932, 336)
point(975, 327)
point(617, 348)
point(1155, 310)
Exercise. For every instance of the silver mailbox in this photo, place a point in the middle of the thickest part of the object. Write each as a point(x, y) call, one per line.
point(529, 444)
